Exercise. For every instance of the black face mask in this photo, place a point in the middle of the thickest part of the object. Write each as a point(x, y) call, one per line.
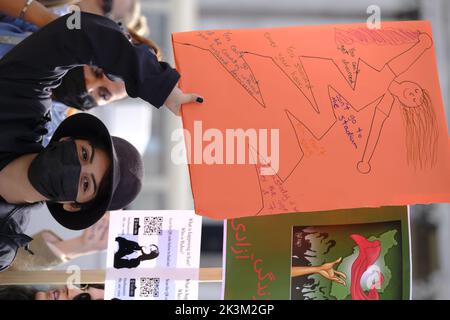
point(72, 91)
point(55, 171)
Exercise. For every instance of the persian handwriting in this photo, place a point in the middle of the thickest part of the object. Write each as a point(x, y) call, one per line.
point(231, 57)
point(242, 250)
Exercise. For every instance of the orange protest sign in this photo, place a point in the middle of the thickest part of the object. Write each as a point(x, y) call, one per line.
point(313, 118)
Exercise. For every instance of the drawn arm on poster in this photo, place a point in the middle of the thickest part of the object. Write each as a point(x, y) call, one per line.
point(318, 113)
point(326, 270)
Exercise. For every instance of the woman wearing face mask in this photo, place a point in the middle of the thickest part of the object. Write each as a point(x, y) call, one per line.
point(86, 86)
point(83, 87)
point(84, 171)
point(81, 174)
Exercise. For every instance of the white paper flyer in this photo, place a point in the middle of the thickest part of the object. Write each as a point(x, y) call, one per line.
point(153, 255)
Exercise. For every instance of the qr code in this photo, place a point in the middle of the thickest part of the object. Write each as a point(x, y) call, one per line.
point(149, 287)
point(153, 226)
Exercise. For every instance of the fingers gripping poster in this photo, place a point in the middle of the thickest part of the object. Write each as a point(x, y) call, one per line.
point(313, 118)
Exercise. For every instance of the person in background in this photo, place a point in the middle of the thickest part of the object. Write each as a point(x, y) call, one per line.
point(126, 11)
point(83, 87)
point(83, 292)
point(51, 251)
point(100, 88)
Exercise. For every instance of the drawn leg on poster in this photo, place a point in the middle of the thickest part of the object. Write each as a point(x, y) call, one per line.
point(417, 110)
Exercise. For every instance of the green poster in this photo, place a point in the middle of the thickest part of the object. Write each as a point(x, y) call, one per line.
point(358, 254)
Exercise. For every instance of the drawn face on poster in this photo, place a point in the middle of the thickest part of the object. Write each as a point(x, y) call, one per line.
point(357, 262)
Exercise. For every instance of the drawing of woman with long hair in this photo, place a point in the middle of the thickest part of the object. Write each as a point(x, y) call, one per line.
point(419, 117)
point(371, 85)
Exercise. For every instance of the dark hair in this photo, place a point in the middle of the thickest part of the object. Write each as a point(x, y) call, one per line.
point(17, 293)
point(85, 295)
point(149, 256)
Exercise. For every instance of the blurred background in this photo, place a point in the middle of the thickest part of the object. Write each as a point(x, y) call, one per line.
point(167, 185)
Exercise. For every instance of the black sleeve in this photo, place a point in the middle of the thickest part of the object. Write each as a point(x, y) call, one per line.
point(36, 65)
